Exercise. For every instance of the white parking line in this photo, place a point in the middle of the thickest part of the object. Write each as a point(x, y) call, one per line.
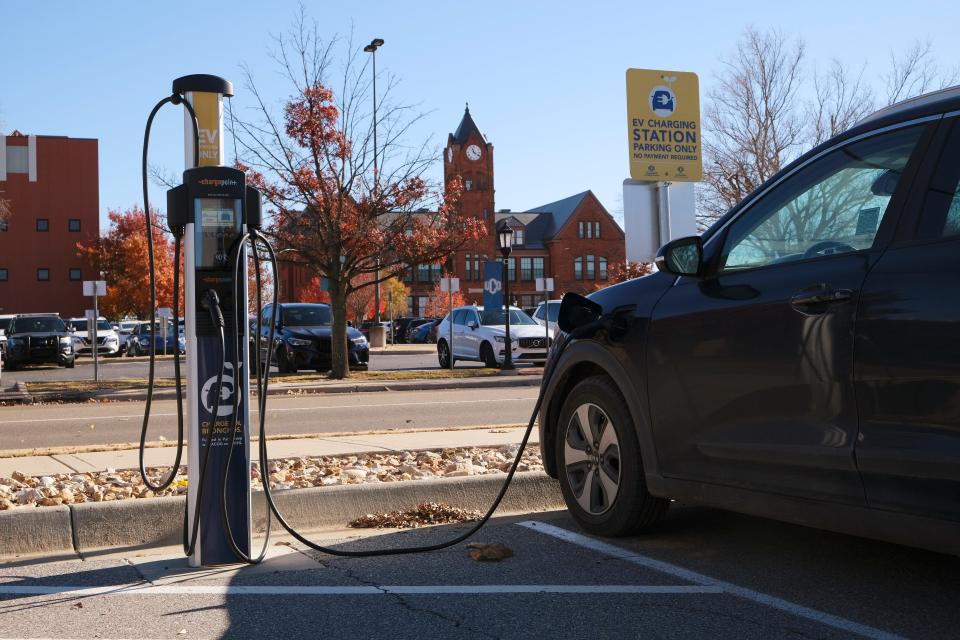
point(706, 581)
point(266, 590)
point(278, 410)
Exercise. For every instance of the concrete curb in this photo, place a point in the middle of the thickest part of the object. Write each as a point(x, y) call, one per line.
point(88, 527)
point(294, 389)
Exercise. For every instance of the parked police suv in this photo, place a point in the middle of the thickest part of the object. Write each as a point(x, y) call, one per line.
point(38, 338)
point(800, 360)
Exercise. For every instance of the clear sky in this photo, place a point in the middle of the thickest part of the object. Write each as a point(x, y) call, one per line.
point(545, 80)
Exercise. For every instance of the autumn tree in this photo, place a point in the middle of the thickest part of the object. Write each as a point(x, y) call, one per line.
point(121, 256)
point(329, 209)
point(626, 270)
point(439, 301)
point(313, 292)
point(393, 297)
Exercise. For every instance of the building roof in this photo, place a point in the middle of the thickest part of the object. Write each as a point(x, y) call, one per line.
point(467, 126)
point(561, 211)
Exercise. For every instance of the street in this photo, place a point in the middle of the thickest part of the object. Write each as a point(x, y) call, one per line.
point(703, 573)
point(59, 425)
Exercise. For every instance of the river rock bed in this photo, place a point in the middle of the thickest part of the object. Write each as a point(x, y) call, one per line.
point(22, 491)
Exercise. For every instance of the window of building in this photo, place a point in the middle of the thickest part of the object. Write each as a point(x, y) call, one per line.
point(528, 302)
point(578, 268)
point(422, 302)
point(4, 225)
point(18, 159)
point(596, 230)
point(538, 267)
point(73, 224)
point(518, 238)
point(4, 275)
point(75, 274)
point(603, 268)
point(589, 230)
point(409, 306)
point(580, 232)
point(43, 224)
point(468, 274)
point(408, 274)
point(590, 267)
point(468, 185)
point(526, 268)
point(423, 273)
point(43, 275)
point(477, 274)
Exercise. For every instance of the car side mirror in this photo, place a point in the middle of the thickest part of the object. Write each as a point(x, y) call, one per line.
point(577, 311)
point(681, 257)
point(473, 325)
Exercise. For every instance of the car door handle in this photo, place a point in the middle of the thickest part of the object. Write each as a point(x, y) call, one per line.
point(820, 296)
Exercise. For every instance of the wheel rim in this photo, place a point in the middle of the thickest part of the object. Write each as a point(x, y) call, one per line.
point(591, 457)
point(444, 354)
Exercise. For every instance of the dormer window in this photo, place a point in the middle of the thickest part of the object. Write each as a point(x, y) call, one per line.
point(518, 237)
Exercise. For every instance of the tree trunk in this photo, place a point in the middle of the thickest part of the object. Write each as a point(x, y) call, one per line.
point(339, 360)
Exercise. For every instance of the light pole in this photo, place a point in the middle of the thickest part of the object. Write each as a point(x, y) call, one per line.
point(505, 235)
point(371, 48)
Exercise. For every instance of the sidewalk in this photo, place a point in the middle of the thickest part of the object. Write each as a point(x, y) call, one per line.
point(288, 448)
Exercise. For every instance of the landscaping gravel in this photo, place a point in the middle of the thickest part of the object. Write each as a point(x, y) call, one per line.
point(22, 491)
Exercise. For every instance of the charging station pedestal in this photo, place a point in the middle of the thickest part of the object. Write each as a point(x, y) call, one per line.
point(212, 203)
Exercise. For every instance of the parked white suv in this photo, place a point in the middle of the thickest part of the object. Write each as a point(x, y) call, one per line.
point(482, 336)
point(546, 315)
point(108, 342)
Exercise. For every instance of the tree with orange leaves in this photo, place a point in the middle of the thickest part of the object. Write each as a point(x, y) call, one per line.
point(331, 209)
point(438, 304)
point(121, 256)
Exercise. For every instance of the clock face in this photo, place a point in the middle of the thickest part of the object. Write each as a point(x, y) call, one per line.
point(449, 154)
point(473, 152)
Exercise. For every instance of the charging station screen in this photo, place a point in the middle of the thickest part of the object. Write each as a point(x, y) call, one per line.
point(217, 229)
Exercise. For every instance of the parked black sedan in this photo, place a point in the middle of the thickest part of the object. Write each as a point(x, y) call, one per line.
point(798, 361)
point(302, 338)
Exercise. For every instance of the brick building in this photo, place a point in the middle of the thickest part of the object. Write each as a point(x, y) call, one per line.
point(52, 184)
point(573, 240)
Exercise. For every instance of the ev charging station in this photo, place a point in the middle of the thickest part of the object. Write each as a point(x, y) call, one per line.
point(215, 208)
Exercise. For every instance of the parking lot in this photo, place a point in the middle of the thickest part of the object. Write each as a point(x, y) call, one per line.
point(702, 574)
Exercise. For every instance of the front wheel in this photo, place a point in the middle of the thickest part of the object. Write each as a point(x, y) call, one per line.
point(486, 354)
point(69, 364)
point(598, 458)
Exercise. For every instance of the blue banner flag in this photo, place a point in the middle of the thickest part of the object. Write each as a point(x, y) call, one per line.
point(493, 286)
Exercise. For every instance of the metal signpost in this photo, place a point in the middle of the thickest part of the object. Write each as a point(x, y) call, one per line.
point(165, 314)
point(94, 289)
point(450, 286)
point(545, 285)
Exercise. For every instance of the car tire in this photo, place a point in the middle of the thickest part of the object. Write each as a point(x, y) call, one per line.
point(486, 354)
point(605, 490)
point(284, 363)
point(443, 355)
point(70, 364)
point(134, 350)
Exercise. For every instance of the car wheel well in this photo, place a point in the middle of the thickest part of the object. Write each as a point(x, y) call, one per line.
point(579, 372)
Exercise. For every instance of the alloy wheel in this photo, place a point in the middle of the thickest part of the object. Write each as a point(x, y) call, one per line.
point(591, 457)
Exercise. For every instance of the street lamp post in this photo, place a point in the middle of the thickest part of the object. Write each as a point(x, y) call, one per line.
point(371, 48)
point(505, 236)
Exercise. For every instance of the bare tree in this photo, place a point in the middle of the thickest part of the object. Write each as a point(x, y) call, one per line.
point(752, 119)
point(840, 101)
point(916, 72)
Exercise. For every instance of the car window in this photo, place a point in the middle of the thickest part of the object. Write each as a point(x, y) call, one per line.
point(459, 316)
point(941, 207)
point(834, 205)
point(495, 317)
point(38, 325)
point(553, 311)
point(539, 313)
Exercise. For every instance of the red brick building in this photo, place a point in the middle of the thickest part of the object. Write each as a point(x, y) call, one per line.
point(573, 240)
point(52, 183)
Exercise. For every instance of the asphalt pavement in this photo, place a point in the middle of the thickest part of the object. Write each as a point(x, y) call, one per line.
point(59, 425)
point(701, 574)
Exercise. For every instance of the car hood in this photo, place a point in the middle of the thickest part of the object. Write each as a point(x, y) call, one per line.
point(319, 332)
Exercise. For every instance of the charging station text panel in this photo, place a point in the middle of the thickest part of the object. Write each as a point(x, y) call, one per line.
point(218, 227)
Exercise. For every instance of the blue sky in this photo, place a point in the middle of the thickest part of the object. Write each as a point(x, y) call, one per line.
point(545, 80)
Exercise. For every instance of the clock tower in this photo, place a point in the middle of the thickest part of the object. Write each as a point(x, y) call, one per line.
point(470, 156)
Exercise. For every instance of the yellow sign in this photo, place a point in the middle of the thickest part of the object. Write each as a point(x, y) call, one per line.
point(210, 122)
point(663, 122)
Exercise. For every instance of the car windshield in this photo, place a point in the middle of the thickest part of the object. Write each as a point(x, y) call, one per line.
point(553, 311)
point(306, 316)
point(495, 317)
point(146, 328)
point(81, 325)
point(37, 325)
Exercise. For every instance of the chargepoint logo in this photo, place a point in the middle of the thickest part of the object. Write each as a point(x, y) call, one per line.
point(209, 182)
point(225, 405)
point(492, 286)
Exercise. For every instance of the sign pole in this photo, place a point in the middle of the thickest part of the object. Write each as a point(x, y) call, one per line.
point(96, 359)
point(450, 315)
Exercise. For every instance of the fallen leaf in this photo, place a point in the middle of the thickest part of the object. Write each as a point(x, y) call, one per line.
point(77, 605)
point(489, 552)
